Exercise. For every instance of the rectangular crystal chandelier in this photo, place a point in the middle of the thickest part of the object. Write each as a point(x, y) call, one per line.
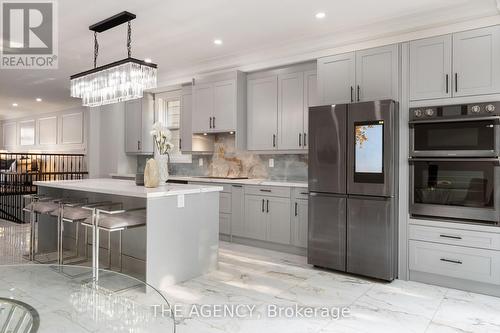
point(117, 82)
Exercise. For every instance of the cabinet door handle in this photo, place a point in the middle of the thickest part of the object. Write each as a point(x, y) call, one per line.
point(452, 261)
point(352, 93)
point(180, 144)
point(263, 202)
point(213, 122)
point(300, 139)
point(210, 122)
point(237, 185)
point(447, 83)
point(296, 209)
point(305, 140)
point(456, 82)
point(358, 92)
point(138, 145)
point(267, 208)
point(274, 140)
point(262, 190)
point(452, 237)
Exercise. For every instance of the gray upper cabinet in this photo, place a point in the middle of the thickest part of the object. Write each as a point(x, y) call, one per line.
point(310, 99)
point(203, 108)
point(337, 78)
point(278, 107)
point(377, 73)
point(430, 68)
point(219, 104)
point(139, 119)
point(365, 75)
point(476, 65)
point(262, 119)
point(291, 110)
point(186, 135)
point(224, 115)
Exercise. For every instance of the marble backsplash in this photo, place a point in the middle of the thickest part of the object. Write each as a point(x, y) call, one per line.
point(227, 162)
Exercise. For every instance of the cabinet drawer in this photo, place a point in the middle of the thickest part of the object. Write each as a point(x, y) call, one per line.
point(455, 261)
point(273, 191)
point(225, 203)
point(301, 193)
point(450, 236)
point(225, 224)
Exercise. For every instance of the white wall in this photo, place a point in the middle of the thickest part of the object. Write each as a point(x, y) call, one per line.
point(107, 142)
point(60, 132)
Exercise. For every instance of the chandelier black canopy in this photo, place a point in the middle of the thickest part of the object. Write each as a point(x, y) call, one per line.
point(119, 81)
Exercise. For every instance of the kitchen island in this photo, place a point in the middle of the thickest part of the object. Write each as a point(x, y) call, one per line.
point(181, 235)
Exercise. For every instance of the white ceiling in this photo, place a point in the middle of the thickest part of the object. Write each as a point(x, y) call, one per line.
point(178, 35)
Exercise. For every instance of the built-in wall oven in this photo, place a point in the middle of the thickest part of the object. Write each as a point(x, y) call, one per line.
point(454, 162)
point(469, 130)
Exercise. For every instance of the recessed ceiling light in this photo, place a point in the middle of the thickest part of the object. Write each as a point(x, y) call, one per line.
point(320, 15)
point(14, 104)
point(38, 99)
point(148, 60)
point(218, 41)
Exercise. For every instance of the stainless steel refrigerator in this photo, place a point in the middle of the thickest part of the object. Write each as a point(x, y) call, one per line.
point(353, 177)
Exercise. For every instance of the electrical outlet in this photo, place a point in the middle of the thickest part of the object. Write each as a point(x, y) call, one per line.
point(180, 201)
point(200, 161)
point(271, 162)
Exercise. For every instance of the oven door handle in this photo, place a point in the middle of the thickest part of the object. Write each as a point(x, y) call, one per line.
point(495, 119)
point(495, 161)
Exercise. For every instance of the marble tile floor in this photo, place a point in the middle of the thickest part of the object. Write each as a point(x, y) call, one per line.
point(262, 279)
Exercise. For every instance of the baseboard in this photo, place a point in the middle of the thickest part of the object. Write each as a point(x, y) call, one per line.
point(449, 282)
point(264, 245)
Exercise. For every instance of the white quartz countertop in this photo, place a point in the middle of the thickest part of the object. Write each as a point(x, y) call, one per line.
point(126, 187)
point(263, 182)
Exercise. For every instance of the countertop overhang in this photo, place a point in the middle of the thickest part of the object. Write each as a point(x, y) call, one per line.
point(126, 187)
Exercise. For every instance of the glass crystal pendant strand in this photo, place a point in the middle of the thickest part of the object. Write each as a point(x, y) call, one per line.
point(116, 82)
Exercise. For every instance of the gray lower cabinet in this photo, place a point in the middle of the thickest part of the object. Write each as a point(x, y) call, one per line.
point(300, 222)
point(224, 224)
point(237, 210)
point(267, 218)
point(278, 220)
point(255, 217)
point(455, 254)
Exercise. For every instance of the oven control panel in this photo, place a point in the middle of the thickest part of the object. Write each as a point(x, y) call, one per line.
point(455, 111)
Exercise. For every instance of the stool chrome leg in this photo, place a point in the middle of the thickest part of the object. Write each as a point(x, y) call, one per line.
point(109, 250)
point(120, 251)
point(95, 251)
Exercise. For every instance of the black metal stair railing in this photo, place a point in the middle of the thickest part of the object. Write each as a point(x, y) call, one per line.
point(18, 171)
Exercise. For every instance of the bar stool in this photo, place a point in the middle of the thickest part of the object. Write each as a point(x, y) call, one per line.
point(112, 221)
point(43, 205)
point(75, 212)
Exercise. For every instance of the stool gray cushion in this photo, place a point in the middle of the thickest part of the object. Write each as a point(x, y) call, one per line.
point(74, 213)
point(124, 220)
point(43, 207)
